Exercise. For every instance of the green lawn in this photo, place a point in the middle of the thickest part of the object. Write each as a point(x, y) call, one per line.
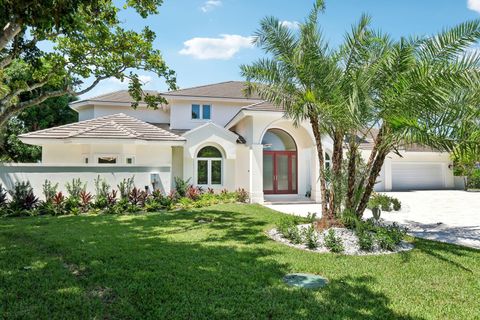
point(166, 265)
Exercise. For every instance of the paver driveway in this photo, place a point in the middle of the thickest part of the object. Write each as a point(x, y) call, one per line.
point(446, 215)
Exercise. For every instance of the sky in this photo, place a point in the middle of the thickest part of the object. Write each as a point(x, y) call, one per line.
point(205, 41)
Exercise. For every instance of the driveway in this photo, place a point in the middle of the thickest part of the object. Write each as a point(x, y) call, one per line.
point(447, 215)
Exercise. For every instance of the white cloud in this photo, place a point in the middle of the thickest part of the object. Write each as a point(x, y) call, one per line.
point(209, 5)
point(222, 48)
point(474, 5)
point(290, 24)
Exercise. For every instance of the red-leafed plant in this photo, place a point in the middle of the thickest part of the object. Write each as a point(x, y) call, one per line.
point(137, 197)
point(85, 200)
point(112, 198)
point(193, 193)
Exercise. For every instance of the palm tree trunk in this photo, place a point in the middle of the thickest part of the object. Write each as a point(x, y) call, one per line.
point(313, 117)
point(374, 172)
point(336, 183)
point(352, 172)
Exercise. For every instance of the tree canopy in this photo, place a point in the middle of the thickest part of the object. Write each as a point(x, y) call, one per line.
point(88, 44)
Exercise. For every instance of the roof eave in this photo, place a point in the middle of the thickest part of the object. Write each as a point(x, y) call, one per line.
point(45, 141)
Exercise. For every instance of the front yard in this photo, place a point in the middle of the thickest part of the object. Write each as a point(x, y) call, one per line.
point(216, 263)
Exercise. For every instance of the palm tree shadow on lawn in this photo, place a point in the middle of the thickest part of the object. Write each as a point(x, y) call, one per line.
point(148, 275)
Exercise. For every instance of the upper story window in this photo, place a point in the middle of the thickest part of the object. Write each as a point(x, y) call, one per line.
point(107, 159)
point(201, 112)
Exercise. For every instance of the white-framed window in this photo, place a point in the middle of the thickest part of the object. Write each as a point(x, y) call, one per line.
point(328, 161)
point(209, 166)
point(201, 112)
point(106, 159)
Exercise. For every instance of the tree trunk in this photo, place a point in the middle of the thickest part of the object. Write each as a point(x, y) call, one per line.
point(352, 172)
point(336, 178)
point(372, 177)
point(313, 117)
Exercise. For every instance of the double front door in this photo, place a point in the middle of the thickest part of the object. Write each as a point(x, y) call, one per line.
point(279, 172)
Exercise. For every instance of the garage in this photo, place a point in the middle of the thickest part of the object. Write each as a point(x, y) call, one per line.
point(417, 176)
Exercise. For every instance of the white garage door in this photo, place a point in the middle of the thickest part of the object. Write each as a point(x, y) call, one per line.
point(417, 176)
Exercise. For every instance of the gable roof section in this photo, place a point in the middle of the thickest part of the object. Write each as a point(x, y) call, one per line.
point(227, 89)
point(121, 96)
point(116, 126)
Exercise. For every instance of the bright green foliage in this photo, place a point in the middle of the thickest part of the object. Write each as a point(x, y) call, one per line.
point(333, 242)
point(168, 266)
point(52, 112)
point(310, 236)
point(384, 202)
point(88, 44)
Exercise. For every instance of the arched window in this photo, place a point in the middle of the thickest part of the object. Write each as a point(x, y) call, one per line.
point(328, 161)
point(209, 166)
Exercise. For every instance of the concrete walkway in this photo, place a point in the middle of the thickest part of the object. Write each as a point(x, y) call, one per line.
point(447, 215)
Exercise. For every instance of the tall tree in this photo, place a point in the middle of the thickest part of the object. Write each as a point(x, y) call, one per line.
point(411, 91)
point(50, 113)
point(88, 44)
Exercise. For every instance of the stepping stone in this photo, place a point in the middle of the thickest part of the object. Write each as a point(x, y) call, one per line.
point(305, 280)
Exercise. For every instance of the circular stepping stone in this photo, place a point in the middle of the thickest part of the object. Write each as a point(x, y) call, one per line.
point(305, 280)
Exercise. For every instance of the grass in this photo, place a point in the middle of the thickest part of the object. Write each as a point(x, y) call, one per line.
point(169, 266)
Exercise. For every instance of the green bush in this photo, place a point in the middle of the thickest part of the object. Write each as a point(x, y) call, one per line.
point(49, 190)
point(289, 230)
point(125, 187)
point(181, 186)
point(332, 242)
point(23, 199)
point(384, 202)
point(388, 237)
point(473, 180)
point(365, 239)
point(75, 187)
point(311, 237)
point(241, 195)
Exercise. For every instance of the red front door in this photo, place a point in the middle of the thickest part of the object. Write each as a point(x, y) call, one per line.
point(279, 172)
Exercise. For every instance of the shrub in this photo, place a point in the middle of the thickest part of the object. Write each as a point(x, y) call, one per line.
point(192, 193)
point(49, 190)
point(181, 186)
point(241, 195)
point(349, 219)
point(101, 187)
point(289, 230)
point(111, 198)
point(332, 242)
point(185, 203)
point(75, 187)
point(311, 237)
point(312, 217)
point(388, 237)
point(125, 187)
point(473, 180)
point(71, 204)
point(384, 202)
point(365, 239)
point(397, 205)
point(152, 205)
point(23, 197)
point(85, 200)
point(137, 197)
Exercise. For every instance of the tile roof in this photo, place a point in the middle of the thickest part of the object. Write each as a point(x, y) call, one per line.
point(263, 106)
point(115, 96)
point(227, 89)
point(116, 126)
point(367, 141)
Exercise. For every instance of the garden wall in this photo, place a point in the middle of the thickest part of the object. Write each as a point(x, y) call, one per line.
point(38, 173)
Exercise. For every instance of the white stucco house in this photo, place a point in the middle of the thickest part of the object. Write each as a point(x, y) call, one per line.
point(214, 136)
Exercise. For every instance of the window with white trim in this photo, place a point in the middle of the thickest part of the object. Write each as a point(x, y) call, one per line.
point(209, 166)
point(129, 160)
point(201, 112)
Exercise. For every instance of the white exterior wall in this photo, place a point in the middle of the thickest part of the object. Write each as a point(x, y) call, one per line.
point(141, 113)
point(221, 113)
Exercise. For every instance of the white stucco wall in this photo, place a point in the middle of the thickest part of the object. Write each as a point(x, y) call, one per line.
point(221, 113)
point(141, 113)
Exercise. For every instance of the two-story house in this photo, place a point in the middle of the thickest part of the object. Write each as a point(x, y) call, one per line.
point(217, 137)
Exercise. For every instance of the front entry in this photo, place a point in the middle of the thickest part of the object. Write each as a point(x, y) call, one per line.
point(279, 163)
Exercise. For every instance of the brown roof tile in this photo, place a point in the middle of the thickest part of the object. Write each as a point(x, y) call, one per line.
point(228, 89)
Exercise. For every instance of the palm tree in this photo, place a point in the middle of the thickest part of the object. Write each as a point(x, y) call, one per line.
point(410, 91)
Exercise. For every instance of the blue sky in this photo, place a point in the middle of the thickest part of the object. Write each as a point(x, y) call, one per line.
point(205, 41)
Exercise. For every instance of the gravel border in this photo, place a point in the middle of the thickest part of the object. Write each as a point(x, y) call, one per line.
point(349, 239)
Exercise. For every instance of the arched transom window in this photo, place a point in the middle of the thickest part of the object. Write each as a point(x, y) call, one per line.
point(209, 166)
